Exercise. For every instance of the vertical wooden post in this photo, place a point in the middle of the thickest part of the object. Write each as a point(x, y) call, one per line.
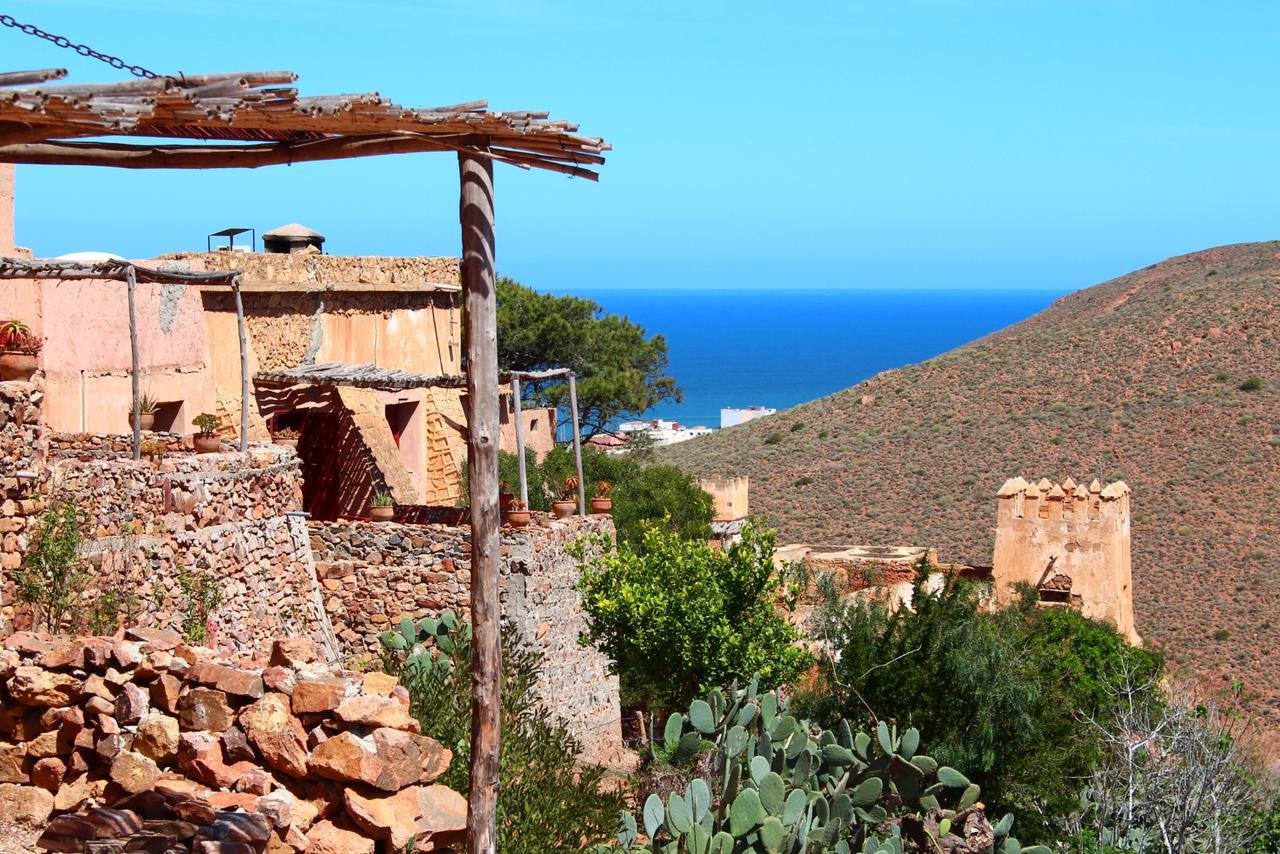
point(244, 367)
point(524, 477)
point(577, 445)
point(135, 361)
point(480, 305)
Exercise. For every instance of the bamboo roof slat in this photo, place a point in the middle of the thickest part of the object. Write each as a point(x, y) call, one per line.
point(111, 270)
point(36, 117)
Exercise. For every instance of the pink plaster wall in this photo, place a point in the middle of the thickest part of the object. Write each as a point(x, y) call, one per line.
point(6, 209)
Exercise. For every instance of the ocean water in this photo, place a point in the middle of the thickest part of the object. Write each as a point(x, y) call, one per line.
point(738, 348)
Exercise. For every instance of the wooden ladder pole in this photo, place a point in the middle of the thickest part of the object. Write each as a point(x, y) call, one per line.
point(479, 297)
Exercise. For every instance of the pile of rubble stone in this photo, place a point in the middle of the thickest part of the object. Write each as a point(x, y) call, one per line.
point(140, 742)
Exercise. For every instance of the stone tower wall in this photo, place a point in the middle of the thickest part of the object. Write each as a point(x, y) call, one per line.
point(1069, 541)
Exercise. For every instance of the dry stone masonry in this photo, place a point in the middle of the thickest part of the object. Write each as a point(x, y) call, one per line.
point(139, 742)
point(375, 574)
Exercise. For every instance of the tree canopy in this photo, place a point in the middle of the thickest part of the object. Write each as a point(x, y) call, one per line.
point(620, 371)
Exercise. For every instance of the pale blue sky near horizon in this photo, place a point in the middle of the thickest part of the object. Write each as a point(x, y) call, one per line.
point(912, 144)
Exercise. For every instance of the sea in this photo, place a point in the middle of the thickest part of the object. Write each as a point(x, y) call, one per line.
point(778, 348)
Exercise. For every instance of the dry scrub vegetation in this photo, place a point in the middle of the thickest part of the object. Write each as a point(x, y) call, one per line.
point(1168, 377)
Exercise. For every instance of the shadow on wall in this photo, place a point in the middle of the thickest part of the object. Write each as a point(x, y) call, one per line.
point(339, 473)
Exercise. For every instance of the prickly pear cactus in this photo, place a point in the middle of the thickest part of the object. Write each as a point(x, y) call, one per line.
point(783, 786)
point(411, 644)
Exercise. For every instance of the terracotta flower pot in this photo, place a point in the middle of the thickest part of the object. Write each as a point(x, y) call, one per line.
point(518, 518)
point(147, 419)
point(18, 366)
point(563, 509)
point(205, 444)
point(382, 514)
point(285, 441)
point(601, 505)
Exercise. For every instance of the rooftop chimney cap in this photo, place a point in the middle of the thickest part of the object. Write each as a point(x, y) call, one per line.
point(291, 238)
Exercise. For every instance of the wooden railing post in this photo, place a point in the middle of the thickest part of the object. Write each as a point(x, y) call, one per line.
point(244, 367)
point(577, 445)
point(478, 288)
point(519, 417)
point(135, 366)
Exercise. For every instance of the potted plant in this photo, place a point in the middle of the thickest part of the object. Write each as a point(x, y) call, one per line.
point(286, 436)
point(518, 514)
point(147, 413)
point(383, 507)
point(564, 506)
point(601, 503)
point(18, 351)
point(206, 439)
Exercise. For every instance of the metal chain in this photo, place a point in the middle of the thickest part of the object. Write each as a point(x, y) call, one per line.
point(83, 50)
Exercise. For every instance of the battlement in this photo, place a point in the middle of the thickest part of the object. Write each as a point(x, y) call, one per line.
point(1019, 498)
point(1071, 543)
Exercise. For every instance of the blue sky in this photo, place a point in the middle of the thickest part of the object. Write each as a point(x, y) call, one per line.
point(1009, 143)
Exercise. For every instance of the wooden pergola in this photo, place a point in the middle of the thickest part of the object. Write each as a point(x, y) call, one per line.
point(252, 119)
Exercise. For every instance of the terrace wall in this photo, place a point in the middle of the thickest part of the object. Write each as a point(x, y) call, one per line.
point(375, 574)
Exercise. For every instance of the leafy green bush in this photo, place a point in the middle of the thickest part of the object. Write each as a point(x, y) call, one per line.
point(1005, 695)
point(1252, 384)
point(773, 439)
point(52, 578)
point(772, 783)
point(546, 800)
point(677, 616)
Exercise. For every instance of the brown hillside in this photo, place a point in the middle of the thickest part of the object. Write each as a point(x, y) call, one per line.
point(1137, 378)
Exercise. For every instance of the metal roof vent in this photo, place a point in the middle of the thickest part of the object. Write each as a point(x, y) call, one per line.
point(292, 238)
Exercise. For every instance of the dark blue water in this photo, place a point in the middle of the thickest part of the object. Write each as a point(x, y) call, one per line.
point(779, 348)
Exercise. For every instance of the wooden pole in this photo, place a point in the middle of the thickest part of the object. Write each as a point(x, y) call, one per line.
point(478, 288)
point(524, 478)
point(244, 368)
point(135, 366)
point(577, 445)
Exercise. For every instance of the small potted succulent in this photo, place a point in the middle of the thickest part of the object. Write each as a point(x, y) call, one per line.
point(286, 436)
point(206, 439)
point(146, 413)
point(564, 506)
point(18, 351)
point(601, 502)
point(518, 514)
point(383, 507)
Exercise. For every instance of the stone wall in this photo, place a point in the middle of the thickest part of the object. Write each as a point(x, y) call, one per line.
point(376, 573)
point(316, 271)
point(23, 448)
point(156, 528)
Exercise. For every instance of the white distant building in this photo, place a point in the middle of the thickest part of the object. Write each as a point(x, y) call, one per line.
point(662, 432)
point(734, 417)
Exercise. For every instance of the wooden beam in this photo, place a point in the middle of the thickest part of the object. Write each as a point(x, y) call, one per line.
point(244, 368)
point(135, 363)
point(519, 418)
point(26, 78)
point(214, 156)
point(577, 444)
point(480, 299)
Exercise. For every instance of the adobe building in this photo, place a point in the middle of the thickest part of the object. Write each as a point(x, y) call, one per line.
point(1071, 544)
point(301, 307)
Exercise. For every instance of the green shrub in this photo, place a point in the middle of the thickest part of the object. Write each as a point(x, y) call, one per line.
point(677, 616)
point(1252, 384)
point(803, 481)
point(52, 578)
point(664, 497)
point(202, 597)
point(1005, 695)
point(773, 439)
point(547, 801)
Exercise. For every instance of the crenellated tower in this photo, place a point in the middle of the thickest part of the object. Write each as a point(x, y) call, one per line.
point(1071, 543)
